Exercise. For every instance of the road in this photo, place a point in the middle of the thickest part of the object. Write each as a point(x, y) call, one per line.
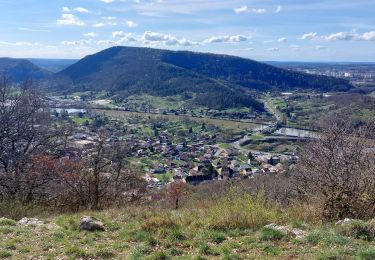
point(273, 110)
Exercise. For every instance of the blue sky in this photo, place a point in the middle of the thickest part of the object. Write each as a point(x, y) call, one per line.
point(289, 30)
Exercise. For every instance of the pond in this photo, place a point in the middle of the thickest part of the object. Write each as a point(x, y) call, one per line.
point(70, 110)
point(295, 132)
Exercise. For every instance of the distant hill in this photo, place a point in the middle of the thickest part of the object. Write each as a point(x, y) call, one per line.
point(53, 65)
point(21, 69)
point(216, 81)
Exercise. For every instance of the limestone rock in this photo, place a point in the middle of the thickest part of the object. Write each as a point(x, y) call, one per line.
point(295, 232)
point(344, 222)
point(29, 221)
point(91, 224)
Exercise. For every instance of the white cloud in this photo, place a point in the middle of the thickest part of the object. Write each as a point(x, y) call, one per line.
point(107, 1)
point(278, 9)
point(66, 9)
point(131, 24)
point(97, 25)
point(81, 10)
point(368, 36)
point(20, 43)
point(91, 34)
point(70, 19)
point(341, 36)
point(273, 49)
point(282, 40)
point(246, 9)
point(109, 18)
point(154, 38)
point(309, 36)
point(227, 38)
point(77, 43)
point(118, 34)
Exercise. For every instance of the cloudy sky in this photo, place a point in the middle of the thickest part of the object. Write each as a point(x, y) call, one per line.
point(292, 30)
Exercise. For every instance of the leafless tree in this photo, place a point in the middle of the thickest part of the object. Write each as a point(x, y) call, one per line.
point(175, 192)
point(106, 179)
point(338, 167)
point(25, 133)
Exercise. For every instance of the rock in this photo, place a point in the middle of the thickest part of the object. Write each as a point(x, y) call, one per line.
point(29, 221)
point(344, 222)
point(91, 224)
point(295, 232)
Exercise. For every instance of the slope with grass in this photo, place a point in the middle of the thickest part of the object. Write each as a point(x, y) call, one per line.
point(224, 229)
point(215, 81)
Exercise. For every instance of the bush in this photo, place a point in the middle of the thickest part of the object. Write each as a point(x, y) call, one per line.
point(5, 254)
point(360, 229)
point(104, 253)
point(75, 252)
point(157, 222)
point(217, 237)
point(242, 212)
point(269, 234)
point(367, 254)
point(177, 235)
point(7, 222)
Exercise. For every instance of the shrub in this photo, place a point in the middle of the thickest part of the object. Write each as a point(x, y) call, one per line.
point(5, 254)
point(157, 222)
point(7, 222)
point(75, 252)
point(269, 234)
point(217, 237)
point(272, 250)
point(360, 229)
point(105, 253)
point(177, 235)
point(242, 212)
point(328, 238)
point(160, 256)
point(6, 230)
point(367, 254)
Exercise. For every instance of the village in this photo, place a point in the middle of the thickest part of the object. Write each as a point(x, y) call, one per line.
point(164, 151)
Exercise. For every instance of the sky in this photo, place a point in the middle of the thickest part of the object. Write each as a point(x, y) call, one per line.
point(277, 30)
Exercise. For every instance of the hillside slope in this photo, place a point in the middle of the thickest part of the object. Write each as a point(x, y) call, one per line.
point(216, 81)
point(20, 70)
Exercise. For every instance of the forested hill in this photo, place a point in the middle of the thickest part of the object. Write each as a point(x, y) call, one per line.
point(215, 81)
point(20, 70)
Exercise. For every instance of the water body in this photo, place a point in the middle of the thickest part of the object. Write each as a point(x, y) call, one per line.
point(70, 110)
point(295, 132)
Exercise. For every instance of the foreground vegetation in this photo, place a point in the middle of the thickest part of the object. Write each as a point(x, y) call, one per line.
point(222, 229)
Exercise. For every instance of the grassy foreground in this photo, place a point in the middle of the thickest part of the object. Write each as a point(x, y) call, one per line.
point(224, 229)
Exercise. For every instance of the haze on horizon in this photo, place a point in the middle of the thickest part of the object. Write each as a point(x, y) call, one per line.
point(292, 30)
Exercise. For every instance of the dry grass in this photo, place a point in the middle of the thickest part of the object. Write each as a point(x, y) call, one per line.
point(226, 228)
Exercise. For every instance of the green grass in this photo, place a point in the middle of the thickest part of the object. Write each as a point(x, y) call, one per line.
point(225, 146)
point(270, 234)
point(80, 120)
point(227, 228)
point(7, 222)
point(166, 177)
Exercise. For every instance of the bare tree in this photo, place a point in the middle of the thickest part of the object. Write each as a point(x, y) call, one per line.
point(25, 132)
point(175, 192)
point(105, 179)
point(338, 167)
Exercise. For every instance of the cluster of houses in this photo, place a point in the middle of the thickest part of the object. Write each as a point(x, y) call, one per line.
point(196, 159)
